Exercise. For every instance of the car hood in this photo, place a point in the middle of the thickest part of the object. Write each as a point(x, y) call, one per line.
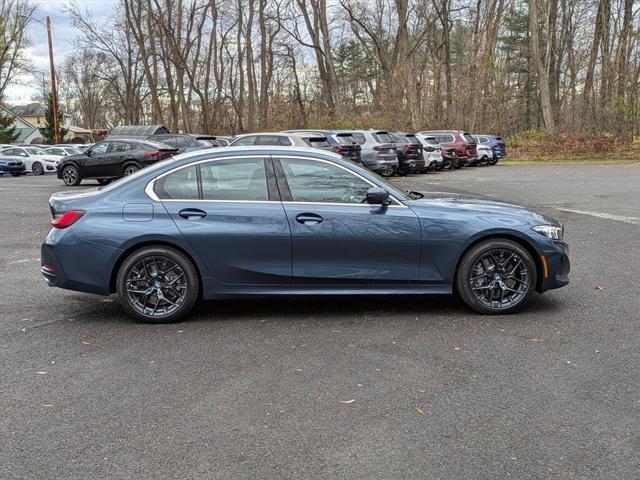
point(484, 206)
point(46, 158)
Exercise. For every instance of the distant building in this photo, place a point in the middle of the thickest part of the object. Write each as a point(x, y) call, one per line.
point(29, 118)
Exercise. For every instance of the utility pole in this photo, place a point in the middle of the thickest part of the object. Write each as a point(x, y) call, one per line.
point(54, 90)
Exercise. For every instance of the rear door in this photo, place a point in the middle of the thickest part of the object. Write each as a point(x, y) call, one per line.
point(230, 213)
point(337, 237)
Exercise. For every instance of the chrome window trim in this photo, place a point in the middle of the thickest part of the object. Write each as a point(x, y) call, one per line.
point(151, 184)
point(149, 188)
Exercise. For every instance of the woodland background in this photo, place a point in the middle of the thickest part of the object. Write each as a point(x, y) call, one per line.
point(539, 69)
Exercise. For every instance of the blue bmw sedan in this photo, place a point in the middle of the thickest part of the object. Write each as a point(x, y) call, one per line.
point(264, 221)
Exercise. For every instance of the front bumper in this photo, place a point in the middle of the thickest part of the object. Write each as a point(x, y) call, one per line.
point(20, 169)
point(558, 266)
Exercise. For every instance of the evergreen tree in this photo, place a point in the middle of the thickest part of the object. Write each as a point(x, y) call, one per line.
point(48, 134)
point(8, 132)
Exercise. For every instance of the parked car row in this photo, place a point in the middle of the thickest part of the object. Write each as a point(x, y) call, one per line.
point(384, 152)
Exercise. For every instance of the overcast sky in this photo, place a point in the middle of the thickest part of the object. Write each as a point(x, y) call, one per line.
point(63, 34)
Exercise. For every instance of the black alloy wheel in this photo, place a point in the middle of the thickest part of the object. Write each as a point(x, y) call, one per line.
point(496, 276)
point(71, 176)
point(157, 285)
point(130, 169)
point(37, 168)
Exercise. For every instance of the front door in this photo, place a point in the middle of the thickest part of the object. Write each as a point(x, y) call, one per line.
point(337, 237)
point(94, 161)
point(229, 212)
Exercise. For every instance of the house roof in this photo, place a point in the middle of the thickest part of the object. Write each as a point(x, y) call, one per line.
point(19, 121)
point(29, 110)
point(24, 134)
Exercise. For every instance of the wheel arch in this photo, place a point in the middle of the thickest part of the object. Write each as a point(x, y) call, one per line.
point(520, 240)
point(151, 243)
point(131, 161)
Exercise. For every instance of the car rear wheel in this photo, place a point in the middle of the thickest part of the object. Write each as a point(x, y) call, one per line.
point(37, 168)
point(496, 276)
point(129, 169)
point(157, 285)
point(494, 161)
point(71, 176)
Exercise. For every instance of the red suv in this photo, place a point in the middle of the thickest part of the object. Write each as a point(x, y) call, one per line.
point(462, 142)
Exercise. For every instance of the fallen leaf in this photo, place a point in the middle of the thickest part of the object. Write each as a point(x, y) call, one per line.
point(47, 405)
point(419, 410)
point(599, 288)
point(298, 369)
point(41, 373)
point(348, 401)
point(535, 339)
point(85, 343)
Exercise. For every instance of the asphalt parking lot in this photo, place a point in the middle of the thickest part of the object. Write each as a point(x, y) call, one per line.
point(335, 388)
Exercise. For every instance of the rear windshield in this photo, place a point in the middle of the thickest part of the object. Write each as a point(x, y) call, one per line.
point(400, 138)
point(359, 138)
point(411, 138)
point(383, 137)
point(316, 142)
point(345, 138)
point(498, 139)
point(444, 138)
point(467, 138)
point(431, 140)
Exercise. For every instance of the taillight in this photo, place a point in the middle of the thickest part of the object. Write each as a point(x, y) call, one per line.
point(67, 219)
point(339, 149)
point(153, 155)
point(429, 149)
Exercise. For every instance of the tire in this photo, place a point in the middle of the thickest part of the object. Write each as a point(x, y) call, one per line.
point(386, 172)
point(494, 161)
point(71, 176)
point(488, 266)
point(484, 160)
point(104, 181)
point(37, 168)
point(130, 169)
point(15, 174)
point(139, 297)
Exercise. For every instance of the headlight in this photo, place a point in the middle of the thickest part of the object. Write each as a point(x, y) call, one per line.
point(555, 232)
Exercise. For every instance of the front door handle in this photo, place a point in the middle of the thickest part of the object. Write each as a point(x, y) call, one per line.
point(192, 213)
point(309, 218)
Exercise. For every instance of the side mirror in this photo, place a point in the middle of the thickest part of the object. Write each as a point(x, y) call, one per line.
point(378, 196)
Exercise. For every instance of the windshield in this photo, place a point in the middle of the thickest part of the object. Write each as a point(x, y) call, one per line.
point(72, 151)
point(35, 151)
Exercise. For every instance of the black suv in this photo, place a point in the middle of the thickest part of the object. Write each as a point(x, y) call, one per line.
point(112, 159)
point(409, 153)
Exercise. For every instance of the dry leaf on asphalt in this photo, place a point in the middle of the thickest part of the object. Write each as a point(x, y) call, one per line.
point(348, 401)
point(419, 410)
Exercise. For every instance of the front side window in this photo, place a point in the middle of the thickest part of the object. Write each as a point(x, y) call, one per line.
point(314, 181)
point(245, 141)
point(100, 148)
point(234, 180)
point(179, 185)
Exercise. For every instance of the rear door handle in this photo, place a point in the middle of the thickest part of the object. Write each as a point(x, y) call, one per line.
point(309, 218)
point(192, 213)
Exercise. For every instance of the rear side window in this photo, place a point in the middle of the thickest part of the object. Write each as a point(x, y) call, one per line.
point(270, 140)
point(467, 138)
point(383, 137)
point(345, 138)
point(234, 180)
point(359, 138)
point(444, 138)
point(119, 147)
point(179, 185)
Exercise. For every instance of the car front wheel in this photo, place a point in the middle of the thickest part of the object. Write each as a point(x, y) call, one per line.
point(71, 176)
point(157, 284)
point(37, 168)
point(496, 276)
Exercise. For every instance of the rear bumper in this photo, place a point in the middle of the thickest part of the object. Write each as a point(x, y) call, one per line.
point(383, 165)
